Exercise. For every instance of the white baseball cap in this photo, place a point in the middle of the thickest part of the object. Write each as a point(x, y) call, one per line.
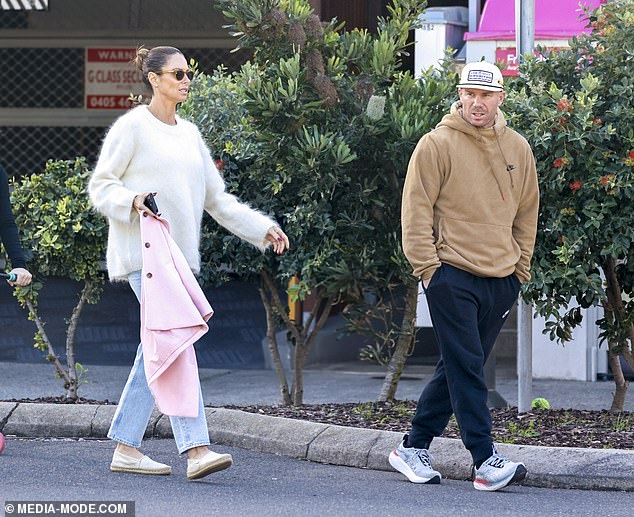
point(482, 76)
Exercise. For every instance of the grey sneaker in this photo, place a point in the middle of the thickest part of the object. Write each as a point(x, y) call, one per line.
point(497, 472)
point(414, 463)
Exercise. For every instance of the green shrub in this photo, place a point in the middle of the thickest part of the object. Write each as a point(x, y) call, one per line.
point(67, 238)
point(316, 129)
point(576, 108)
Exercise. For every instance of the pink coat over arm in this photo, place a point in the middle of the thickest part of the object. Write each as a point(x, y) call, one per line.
point(174, 312)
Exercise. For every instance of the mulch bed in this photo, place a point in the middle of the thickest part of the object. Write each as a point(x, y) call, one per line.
point(552, 427)
point(549, 427)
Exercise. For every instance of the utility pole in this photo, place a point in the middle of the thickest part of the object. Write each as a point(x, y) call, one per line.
point(524, 44)
point(475, 8)
point(524, 27)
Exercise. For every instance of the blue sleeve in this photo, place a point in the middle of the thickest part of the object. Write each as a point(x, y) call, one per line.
point(8, 230)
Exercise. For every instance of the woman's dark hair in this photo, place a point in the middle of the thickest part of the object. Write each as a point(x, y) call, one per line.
point(153, 60)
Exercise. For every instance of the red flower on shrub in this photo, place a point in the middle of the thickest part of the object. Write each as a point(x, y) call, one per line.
point(220, 164)
point(563, 104)
point(559, 162)
point(597, 121)
point(631, 155)
point(575, 185)
point(607, 179)
point(598, 24)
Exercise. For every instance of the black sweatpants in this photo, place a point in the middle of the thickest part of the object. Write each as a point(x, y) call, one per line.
point(467, 313)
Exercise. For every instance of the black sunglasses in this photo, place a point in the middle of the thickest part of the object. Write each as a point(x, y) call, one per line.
point(178, 73)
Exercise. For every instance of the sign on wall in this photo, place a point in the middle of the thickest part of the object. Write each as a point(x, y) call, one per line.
point(110, 78)
point(508, 56)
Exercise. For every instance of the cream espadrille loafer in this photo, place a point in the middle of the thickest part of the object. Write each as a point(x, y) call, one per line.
point(144, 465)
point(209, 463)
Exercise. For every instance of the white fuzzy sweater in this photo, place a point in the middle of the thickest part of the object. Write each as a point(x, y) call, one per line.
point(142, 154)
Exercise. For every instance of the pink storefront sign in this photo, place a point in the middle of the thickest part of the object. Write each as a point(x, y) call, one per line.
point(558, 19)
point(507, 58)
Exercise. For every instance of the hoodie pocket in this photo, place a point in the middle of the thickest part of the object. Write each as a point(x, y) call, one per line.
point(484, 246)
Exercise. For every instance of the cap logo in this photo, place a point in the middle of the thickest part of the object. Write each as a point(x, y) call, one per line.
point(480, 76)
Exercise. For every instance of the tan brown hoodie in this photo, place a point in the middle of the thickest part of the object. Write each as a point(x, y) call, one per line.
point(471, 200)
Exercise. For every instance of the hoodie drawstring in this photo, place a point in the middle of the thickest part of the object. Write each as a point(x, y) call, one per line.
point(456, 121)
point(493, 168)
point(509, 168)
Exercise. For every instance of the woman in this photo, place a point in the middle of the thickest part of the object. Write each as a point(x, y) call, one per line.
point(151, 150)
point(9, 236)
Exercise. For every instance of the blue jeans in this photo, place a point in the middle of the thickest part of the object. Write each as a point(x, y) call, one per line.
point(136, 404)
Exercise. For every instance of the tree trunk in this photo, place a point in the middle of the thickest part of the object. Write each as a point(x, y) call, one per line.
point(319, 315)
point(73, 384)
point(273, 346)
point(303, 335)
point(618, 400)
point(403, 346)
point(615, 310)
point(299, 360)
point(51, 356)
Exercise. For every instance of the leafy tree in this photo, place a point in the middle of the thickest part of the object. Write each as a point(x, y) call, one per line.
point(302, 131)
point(576, 108)
point(413, 108)
point(67, 238)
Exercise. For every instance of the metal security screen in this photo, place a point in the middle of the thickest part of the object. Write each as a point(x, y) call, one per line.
point(13, 20)
point(41, 77)
point(25, 149)
point(54, 78)
point(209, 59)
point(43, 74)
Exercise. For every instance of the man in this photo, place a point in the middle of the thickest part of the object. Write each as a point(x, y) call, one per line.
point(469, 218)
point(9, 236)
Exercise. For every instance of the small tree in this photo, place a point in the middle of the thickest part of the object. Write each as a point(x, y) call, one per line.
point(67, 238)
point(576, 108)
point(303, 151)
point(413, 107)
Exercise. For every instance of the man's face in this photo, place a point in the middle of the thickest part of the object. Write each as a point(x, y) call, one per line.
point(479, 107)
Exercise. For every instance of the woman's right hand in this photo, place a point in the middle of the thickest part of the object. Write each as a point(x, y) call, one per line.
point(278, 239)
point(23, 277)
point(138, 203)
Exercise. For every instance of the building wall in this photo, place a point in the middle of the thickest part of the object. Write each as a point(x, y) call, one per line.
point(42, 112)
point(43, 116)
point(43, 56)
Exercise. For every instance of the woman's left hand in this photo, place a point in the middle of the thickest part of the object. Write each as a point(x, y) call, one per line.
point(278, 239)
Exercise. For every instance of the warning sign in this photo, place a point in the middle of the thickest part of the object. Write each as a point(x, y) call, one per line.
point(110, 78)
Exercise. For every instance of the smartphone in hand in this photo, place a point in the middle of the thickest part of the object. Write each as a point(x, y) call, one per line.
point(150, 202)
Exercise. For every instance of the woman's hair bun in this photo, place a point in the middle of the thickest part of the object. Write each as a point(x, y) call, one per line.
point(141, 55)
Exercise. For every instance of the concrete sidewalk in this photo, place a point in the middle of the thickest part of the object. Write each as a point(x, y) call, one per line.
point(351, 382)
